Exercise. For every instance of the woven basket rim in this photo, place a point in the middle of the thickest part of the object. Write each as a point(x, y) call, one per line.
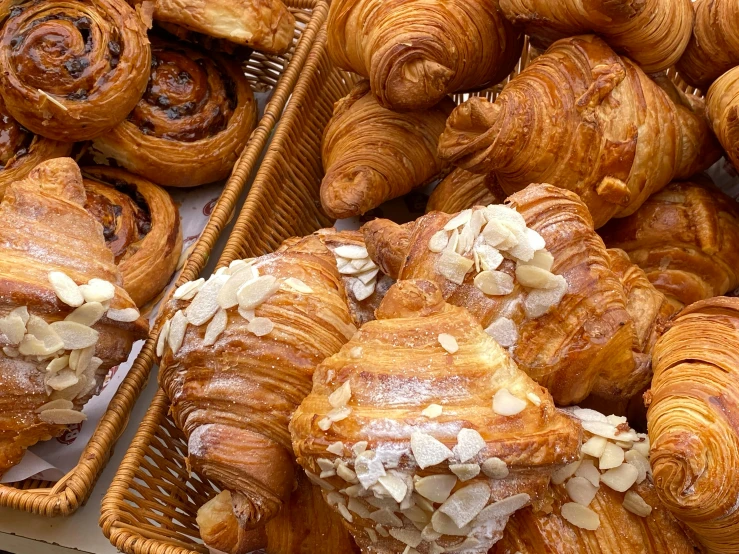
point(66, 495)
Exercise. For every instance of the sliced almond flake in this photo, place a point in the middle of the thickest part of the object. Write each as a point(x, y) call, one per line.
point(338, 414)
point(336, 448)
point(536, 241)
point(581, 490)
point(635, 504)
point(62, 417)
point(562, 474)
point(464, 504)
point(429, 534)
point(427, 450)
point(316, 480)
point(382, 531)
point(87, 314)
point(476, 259)
point(542, 259)
point(620, 478)
point(580, 516)
point(355, 352)
point(524, 249)
point(126, 315)
point(341, 262)
point(327, 473)
point(594, 446)
point(188, 290)
point(372, 534)
point(11, 352)
point(465, 472)
point(333, 498)
point(358, 507)
point(495, 468)
point(13, 327)
point(368, 265)
point(424, 503)
point(226, 296)
point(533, 398)
point(345, 513)
point(442, 523)
point(353, 491)
point(640, 463)
point(66, 289)
point(162, 339)
point(59, 404)
point(368, 277)
point(641, 445)
point(494, 283)
point(223, 271)
point(31, 346)
point(466, 240)
point(498, 235)
point(435, 488)
point(616, 420)
point(324, 424)
point(351, 251)
point(237, 265)
point(260, 326)
point(462, 218)
point(248, 315)
point(504, 331)
point(359, 447)
point(490, 258)
point(539, 301)
point(340, 396)
point(98, 290)
point(448, 343)
point(57, 364)
point(506, 404)
point(586, 414)
point(606, 430)
point(22, 312)
point(386, 517)
point(501, 509)
point(257, 292)
point(535, 277)
point(469, 444)
point(177, 329)
point(347, 474)
point(395, 486)
point(362, 291)
point(62, 380)
point(357, 264)
point(75, 335)
point(439, 241)
point(216, 326)
point(410, 537)
point(588, 471)
point(297, 285)
point(432, 411)
point(79, 360)
point(451, 245)
point(349, 269)
point(382, 499)
point(205, 304)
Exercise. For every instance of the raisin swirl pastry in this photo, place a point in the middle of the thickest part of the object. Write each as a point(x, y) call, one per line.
point(72, 70)
point(141, 225)
point(192, 123)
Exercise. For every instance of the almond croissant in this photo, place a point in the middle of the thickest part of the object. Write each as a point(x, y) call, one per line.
point(653, 33)
point(603, 503)
point(65, 319)
point(424, 434)
point(686, 239)
point(553, 299)
point(415, 52)
point(371, 154)
point(722, 105)
point(692, 421)
point(610, 134)
point(235, 381)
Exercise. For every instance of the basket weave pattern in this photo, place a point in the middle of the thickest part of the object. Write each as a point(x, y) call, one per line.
point(278, 74)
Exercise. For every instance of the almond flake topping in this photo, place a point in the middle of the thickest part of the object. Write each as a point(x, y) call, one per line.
point(454, 267)
point(580, 516)
point(351, 251)
point(126, 315)
point(427, 450)
point(495, 468)
point(435, 488)
point(469, 443)
point(260, 326)
point(448, 343)
point(98, 290)
point(465, 472)
point(61, 416)
point(340, 396)
point(432, 411)
point(464, 505)
point(256, 292)
point(636, 504)
point(87, 314)
point(506, 404)
point(187, 291)
point(66, 289)
point(438, 241)
point(494, 283)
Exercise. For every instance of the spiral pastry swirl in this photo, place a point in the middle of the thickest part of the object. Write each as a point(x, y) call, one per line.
point(72, 70)
point(193, 121)
point(21, 150)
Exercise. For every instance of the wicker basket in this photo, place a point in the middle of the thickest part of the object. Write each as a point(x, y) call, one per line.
point(279, 75)
point(153, 501)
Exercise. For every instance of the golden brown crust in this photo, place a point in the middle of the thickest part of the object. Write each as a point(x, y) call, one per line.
point(686, 239)
point(461, 190)
point(692, 419)
point(191, 124)
point(722, 105)
point(265, 25)
point(653, 33)
point(72, 70)
point(234, 399)
point(44, 227)
point(612, 122)
point(396, 367)
point(414, 52)
point(714, 45)
point(141, 225)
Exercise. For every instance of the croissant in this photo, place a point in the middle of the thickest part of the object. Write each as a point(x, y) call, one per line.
point(560, 320)
point(64, 318)
point(235, 381)
point(692, 409)
point(422, 432)
point(266, 26)
point(21, 150)
point(686, 239)
point(415, 52)
point(714, 46)
point(371, 154)
point(71, 71)
point(461, 190)
point(305, 525)
point(653, 33)
point(141, 225)
point(722, 105)
point(191, 124)
point(610, 134)
point(601, 504)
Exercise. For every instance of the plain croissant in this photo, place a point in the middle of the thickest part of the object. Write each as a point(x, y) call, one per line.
point(415, 52)
point(714, 46)
point(722, 105)
point(235, 381)
point(65, 319)
point(421, 431)
point(461, 190)
point(686, 239)
point(610, 133)
point(692, 421)
point(372, 154)
point(561, 320)
point(653, 33)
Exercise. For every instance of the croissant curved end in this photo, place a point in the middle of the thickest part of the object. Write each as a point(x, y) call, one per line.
point(678, 459)
point(400, 89)
point(469, 125)
point(349, 193)
point(220, 529)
